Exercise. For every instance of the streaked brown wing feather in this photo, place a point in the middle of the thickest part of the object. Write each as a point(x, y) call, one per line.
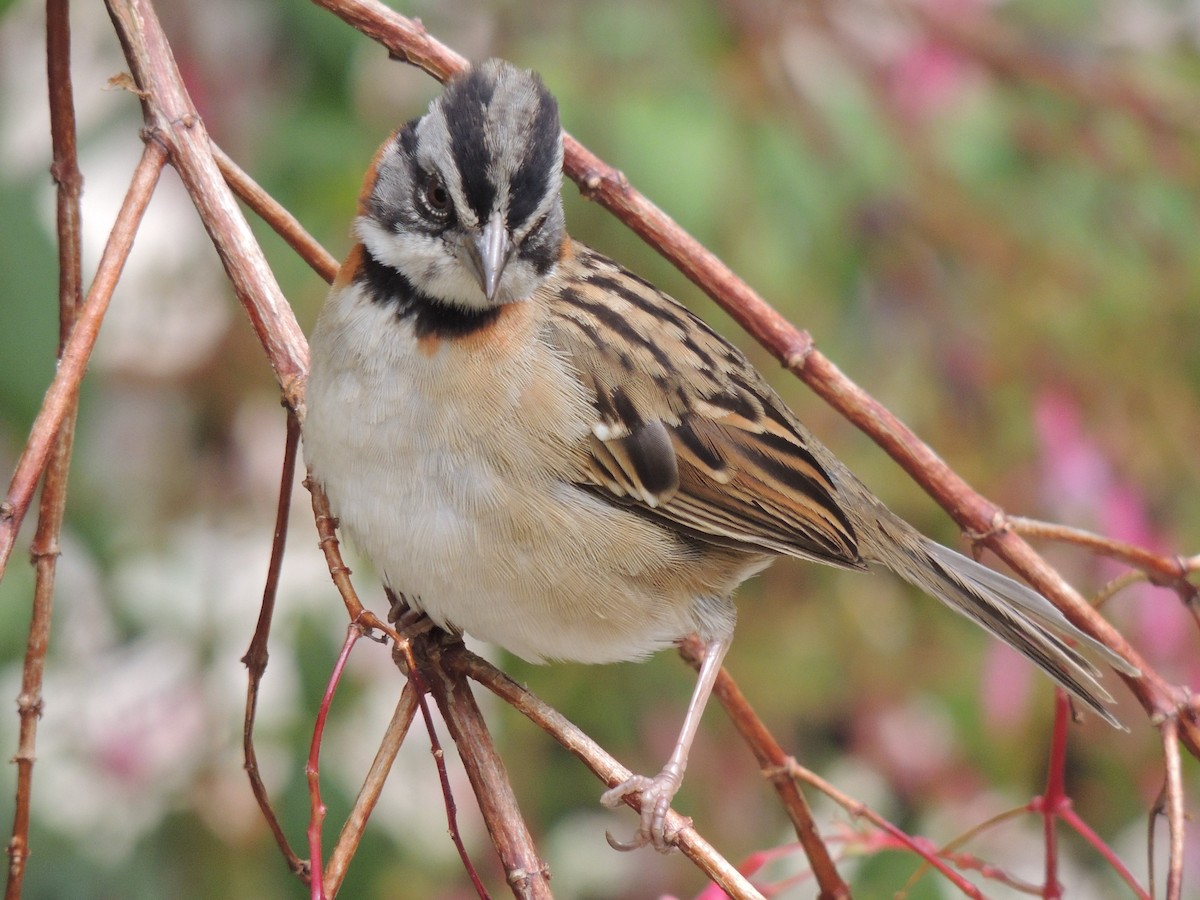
point(686, 430)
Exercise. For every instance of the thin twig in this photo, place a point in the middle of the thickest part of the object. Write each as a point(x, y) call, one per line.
point(949, 850)
point(256, 656)
point(859, 809)
point(1173, 790)
point(65, 167)
point(64, 388)
point(171, 119)
point(312, 769)
point(1072, 818)
point(274, 214)
point(510, 836)
point(368, 795)
point(1162, 569)
point(338, 570)
point(45, 547)
point(1054, 798)
point(1114, 586)
point(405, 39)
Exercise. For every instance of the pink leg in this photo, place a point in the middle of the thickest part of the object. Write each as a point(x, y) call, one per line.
point(658, 792)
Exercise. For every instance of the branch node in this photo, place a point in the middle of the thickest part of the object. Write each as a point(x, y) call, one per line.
point(1182, 568)
point(795, 357)
point(153, 134)
point(521, 877)
point(18, 853)
point(51, 551)
point(66, 176)
point(589, 184)
point(30, 704)
point(999, 525)
point(401, 54)
point(779, 773)
point(591, 181)
point(292, 395)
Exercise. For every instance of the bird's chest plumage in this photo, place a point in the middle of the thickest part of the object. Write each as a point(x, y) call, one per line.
point(454, 465)
point(420, 442)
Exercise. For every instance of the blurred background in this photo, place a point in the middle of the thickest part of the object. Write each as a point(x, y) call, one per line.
point(984, 212)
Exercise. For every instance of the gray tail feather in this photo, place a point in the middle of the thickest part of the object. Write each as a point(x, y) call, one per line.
point(1019, 616)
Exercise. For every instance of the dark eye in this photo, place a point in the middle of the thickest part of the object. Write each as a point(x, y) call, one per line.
point(435, 197)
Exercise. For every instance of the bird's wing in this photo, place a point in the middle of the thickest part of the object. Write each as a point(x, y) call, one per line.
point(685, 430)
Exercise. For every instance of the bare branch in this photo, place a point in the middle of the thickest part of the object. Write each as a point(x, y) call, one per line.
point(368, 795)
point(1173, 792)
point(1055, 797)
point(527, 875)
point(273, 213)
point(861, 810)
point(65, 167)
point(256, 656)
point(1165, 570)
point(172, 120)
point(45, 548)
point(338, 570)
point(312, 769)
point(405, 39)
point(1071, 817)
point(64, 389)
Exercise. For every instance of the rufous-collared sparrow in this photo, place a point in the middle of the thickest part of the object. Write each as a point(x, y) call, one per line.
point(539, 448)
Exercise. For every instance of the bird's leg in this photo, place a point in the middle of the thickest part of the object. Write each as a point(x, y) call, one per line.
point(657, 792)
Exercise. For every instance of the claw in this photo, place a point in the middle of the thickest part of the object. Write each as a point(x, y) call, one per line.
point(638, 841)
point(655, 795)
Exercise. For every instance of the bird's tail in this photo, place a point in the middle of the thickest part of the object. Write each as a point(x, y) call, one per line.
point(1022, 618)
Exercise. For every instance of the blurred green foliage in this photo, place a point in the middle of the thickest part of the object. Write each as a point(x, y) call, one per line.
point(1006, 260)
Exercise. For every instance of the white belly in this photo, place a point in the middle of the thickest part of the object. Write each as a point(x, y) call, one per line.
point(453, 472)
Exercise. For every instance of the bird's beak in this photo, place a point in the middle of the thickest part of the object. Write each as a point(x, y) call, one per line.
point(489, 254)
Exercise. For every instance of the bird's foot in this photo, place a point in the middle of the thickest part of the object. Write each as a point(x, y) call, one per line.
point(655, 795)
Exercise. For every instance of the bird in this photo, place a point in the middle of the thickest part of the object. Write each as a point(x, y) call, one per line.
point(538, 448)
